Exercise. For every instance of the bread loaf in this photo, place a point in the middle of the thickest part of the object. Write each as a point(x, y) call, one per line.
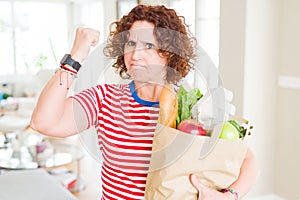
point(168, 104)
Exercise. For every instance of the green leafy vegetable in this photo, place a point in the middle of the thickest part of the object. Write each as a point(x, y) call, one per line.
point(240, 128)
point(186, 100)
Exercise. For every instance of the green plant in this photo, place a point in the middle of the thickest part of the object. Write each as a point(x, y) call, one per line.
point(40, 60)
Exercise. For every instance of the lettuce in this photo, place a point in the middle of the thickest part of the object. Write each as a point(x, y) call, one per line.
point(186, 100)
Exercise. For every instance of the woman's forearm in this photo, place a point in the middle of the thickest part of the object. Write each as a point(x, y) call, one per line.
point(248, 175)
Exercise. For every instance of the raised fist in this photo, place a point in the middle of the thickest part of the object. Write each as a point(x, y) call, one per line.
point(85, 38)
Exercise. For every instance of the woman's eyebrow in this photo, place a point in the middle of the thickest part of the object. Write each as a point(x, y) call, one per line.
point(148, 41)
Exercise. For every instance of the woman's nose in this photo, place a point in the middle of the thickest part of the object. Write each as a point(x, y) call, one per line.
point(137, 52)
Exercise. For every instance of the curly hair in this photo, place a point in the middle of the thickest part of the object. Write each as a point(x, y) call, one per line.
point(175, 42)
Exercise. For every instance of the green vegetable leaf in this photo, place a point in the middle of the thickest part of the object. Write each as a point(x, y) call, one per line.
point(240, 128)
point(186, 100)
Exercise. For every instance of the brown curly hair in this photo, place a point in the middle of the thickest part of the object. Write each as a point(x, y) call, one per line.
point(171, 32)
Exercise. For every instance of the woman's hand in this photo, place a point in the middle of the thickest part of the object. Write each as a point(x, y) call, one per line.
point(205, 193)
point(85, 38)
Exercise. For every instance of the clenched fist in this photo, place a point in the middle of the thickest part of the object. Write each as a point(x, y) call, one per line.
point(85, 38)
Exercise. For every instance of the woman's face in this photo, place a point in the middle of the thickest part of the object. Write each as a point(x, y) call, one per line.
point(141, 58)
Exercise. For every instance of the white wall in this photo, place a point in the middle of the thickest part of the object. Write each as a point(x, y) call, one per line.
point(248, 57)
point(260, 91)
point(232, 48)
point(259, 42)
point(288, 133)
point(110, 13)
point(248, 67)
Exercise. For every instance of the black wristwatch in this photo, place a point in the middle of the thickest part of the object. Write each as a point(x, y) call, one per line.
point(69, 61)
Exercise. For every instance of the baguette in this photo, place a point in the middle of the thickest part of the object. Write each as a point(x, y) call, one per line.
point(168, 104)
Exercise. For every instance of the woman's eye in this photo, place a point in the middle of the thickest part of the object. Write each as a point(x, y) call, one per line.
point(131, 43)
point(150, 46)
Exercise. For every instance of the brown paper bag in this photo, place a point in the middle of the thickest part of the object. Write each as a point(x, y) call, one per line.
point(216, 163)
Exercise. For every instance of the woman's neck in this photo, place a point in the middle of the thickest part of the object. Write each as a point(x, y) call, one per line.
point(148, 91)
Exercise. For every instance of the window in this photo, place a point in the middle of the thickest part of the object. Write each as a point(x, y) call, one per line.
point(208, 27)
point(36, 34)
point(32, 33)
point(204, 17)
point(6, 45)
point(186, 8)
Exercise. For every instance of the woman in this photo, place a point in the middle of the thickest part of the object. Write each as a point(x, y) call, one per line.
point(153, 47)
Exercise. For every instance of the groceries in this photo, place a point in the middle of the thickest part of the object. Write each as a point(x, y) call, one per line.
point(192, 126)
point(177, 112)
point(184, 145)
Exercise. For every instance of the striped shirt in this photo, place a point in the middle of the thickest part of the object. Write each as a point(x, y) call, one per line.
point(125, 126)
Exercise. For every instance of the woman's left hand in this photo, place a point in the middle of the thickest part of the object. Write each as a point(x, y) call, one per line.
point(206, 193)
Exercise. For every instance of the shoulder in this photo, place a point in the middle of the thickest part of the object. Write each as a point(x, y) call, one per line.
point(112, 88)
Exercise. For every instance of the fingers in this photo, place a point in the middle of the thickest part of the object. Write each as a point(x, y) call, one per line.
point(196, 184)
point(94, 36)
point(85, 38)
point(88, 34)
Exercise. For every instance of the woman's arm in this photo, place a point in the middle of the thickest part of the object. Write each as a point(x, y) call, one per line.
point(247, 177)
point(54, 114)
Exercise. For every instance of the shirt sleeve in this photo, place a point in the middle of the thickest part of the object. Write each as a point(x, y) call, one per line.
point(90, 100)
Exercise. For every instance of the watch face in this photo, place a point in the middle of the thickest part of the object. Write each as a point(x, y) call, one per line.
point(69, 61)
point(65, 59)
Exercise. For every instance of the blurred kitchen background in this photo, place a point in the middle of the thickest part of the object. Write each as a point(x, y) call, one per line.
point(254, 43)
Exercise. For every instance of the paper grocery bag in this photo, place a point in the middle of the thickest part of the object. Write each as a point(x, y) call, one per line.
point(175, 155)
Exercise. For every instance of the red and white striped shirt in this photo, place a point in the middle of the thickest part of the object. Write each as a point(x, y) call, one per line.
point(125, 126)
